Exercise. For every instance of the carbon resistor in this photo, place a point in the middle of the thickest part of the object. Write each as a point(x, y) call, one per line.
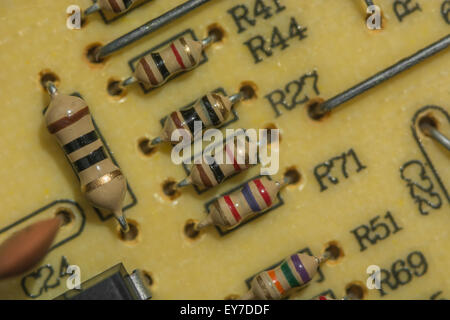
point(154, 69)
point(211, 110)
point(230, 210)
point(69, 120)
point(294, 272)
point(25, 248)
point(323, 298)
point(327, 297)
point(235, 158)
point(429, 127)
point(115, 6)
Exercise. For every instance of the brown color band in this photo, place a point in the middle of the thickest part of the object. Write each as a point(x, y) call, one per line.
point(149, 72)
point(263, 287)
point(176, 120)
point(101, 181)
point(67, 121)
point(220, 212)
point(203, 176)
point(115, 6)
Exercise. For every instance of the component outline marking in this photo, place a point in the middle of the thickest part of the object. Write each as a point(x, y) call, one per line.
point(232, 120)
point(304, 250)
point(421, 146)
point(132, 61)
point(217, 90)
point(134, 200)
point(120, 15)
point(328, 292)
point(46, 207)
point(278, 204)
point(188, 171)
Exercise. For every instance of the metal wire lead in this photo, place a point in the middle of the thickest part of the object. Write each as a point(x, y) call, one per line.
point(51, 88)
point(369, 3)
point(123, 223)
point(382, 76)
point(148, 28)
point(94, 8)
point(436, 135)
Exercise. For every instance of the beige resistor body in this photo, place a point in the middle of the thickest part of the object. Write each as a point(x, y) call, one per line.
point(235, 157)
point(209, 111)
point(25, 248)
point(116, 6)
point(69, 120)
point(230, 210)
point(277, 283)
point(154, 69)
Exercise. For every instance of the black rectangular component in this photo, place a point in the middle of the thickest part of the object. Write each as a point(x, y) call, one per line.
point(112, 284)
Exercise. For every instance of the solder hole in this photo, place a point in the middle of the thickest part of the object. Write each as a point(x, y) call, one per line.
point(132, 233)
point(66, 215)
point(217, 32)
point(170, 189)
point(148, 278)
point(232, 297)
point(115, 88)
point(189, 229)
point(313, 109)
point(46, 76)
point(292, 176)
point(248, 90)
point(335, 251)
point(91, 52)
point(270, 132)
point(356, 290)
point(425, 121)
point(145, 146)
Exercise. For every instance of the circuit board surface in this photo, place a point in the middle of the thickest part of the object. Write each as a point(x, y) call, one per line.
point(383, 164)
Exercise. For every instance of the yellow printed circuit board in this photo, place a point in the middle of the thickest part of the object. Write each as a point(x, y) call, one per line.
point(369, 183)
